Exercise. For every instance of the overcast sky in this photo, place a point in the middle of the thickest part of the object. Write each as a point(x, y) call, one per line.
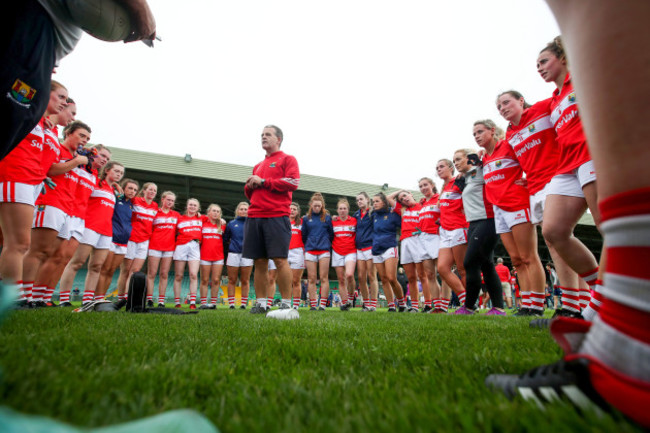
point(369, 91)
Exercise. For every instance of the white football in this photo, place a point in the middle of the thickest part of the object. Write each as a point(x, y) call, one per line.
point(288, 314)
point(104, 19)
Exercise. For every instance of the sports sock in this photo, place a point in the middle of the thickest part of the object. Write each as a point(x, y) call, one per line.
point(262, 302)
point(461, 297)
point(204, 300)
point(192, 298)
point(286, 302)
point(525, 299)
point(373, 303)
point(149, 298)
point(296, 302)
point(536, 301)
point(590, 277)
point(64, 296)
point(244, 301)
point(595, 303)
point(391, 305)
point(161, 299)
point(585, 296)
point(100, 297)
point(88, 296)
point(37, 293)
point(231, 300)
point(415, 304)
point(427, 303)
point(47, 294)
point(444, 305)
point(619, 336)
point(570, 299)
point(177, 301)
point(27, 290)
point(21, 292)
point(323, 302)
point(269, 302)
point(401, 302)
point(313, 303)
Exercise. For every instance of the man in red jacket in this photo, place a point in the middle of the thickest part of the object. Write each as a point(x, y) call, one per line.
point(267, 232)
point(504, 276)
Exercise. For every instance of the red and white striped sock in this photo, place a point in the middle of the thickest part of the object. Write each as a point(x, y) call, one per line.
point(427, 303)
point(38, 292)
point(525, 299)
point(296, 302)
point(204, 300)
point(192, 298)
point(620, 336)
point(461, 297)
point(437, 303)
point(344, 300)
point(269, 301)
point(27, 290)
point(100, 297)
point(323, 302)
point(415, 303)
point(313, 303)
point(444, 306)
point(537, 301)
point(373, 303)
point(585, 296)
point(391, 304)
point(570, 299)
point(177, 301)
point(401, 302)
point(64, 296)
point(88, 296)
point(161, 299)
point(231, 301)
point(244, 301)
point(149, 298)
point(595, 303)
point(590, 277)
point(123, 297)
point(49, 291)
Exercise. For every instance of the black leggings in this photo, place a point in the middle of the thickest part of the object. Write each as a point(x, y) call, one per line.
point(482, 238)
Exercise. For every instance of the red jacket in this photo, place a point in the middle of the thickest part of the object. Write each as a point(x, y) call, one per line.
point(281, 177)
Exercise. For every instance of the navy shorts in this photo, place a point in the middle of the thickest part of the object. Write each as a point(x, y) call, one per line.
point(266, 238)
point(27, 56)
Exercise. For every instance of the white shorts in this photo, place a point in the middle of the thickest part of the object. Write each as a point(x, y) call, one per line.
point(430, 244)
point(136, 250)
point(537, 202)
point(117, 249)
point(388, 254)
point(571, 184)
point(50, 217)
point(75, 227)
point(452, 238)
point(160, 254)
point(210, 263)
point(296, 258)
point(364, 254)
point(412, 251)
point(504, 221)
point(188, 252)
point(95, 240)
point(272, 266)
point(16, 192)
point(236, 260)
point(339, 260)
point(316, 257)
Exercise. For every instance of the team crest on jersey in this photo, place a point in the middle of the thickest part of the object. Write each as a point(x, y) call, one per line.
point(498, 163)
point(531, 128)
point(272, 165)
point(572, 97)
point(22, 93)
point(473, 175)
point(41, 208)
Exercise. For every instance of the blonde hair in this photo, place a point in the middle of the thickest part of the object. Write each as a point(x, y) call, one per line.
point(433, 185)
point(165, 195)
point(198, 211)
point(499, 133)
point(144, 188)
point(240, 204)
point(212, 206)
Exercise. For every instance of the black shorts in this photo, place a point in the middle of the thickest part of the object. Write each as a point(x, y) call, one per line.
point(266, 238)
point(27, 56)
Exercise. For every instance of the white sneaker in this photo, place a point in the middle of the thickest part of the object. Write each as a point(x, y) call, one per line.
point(284, 314)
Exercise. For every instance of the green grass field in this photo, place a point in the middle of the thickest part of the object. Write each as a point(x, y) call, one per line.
point(327, 371)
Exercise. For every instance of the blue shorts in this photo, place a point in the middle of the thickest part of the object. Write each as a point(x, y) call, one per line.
point(27, 56)
point(267, 238)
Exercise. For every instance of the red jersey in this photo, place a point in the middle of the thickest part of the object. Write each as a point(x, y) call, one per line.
point(85, 187)
point(410, 219)
point(51, 149)
point(452, 216)
point(500, 171)
point(99, 214)
point(344, 236)
point(296, 235)
point(64, 195)
point(189, 229)
point(281, 177)
point(535, 145)
point(568, 127)
point(163, 235)
point(503, 272)
point(429, 215)
point(23, 163)
point(212, 241)
point(142, 219)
